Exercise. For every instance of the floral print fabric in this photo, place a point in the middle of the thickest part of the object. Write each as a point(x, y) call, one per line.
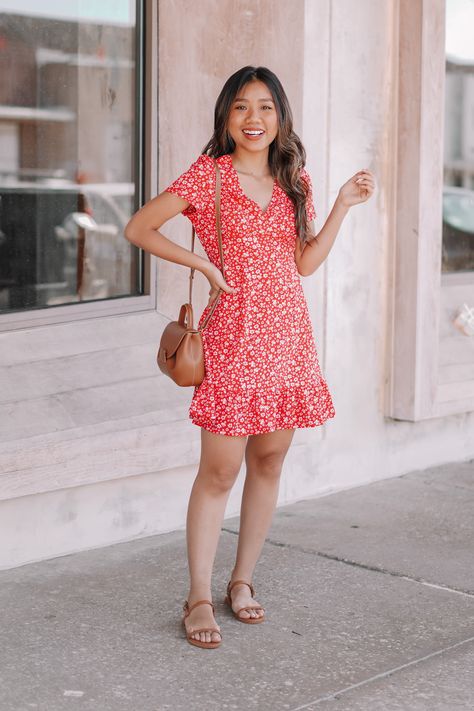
point(261, 363)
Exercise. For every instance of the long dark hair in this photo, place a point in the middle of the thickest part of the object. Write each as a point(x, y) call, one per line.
point(286, 155)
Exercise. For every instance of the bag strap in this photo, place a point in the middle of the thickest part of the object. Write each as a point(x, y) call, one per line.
point(219, 237)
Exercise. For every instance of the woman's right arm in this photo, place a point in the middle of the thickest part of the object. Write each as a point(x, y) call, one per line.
point(142, 230)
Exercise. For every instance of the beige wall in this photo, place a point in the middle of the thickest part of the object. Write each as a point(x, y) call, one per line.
point(90, 422)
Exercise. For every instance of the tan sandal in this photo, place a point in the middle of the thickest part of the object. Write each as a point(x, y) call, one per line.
point(228, 601)
point(197, 642)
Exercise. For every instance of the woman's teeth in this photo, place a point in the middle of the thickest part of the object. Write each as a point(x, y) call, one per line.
point(252, 133)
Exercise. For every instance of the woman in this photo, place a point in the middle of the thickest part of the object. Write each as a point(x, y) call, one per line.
point(263, 378)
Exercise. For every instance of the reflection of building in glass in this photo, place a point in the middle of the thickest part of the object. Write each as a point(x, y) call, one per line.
point(67, 119)
point(459, 123)
point(458, 197)
point(66, 95)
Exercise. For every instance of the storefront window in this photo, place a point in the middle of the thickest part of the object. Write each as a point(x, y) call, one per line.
point(70, 145)
point(458, 194)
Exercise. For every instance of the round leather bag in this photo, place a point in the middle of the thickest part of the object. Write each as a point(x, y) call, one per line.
point(180, 353)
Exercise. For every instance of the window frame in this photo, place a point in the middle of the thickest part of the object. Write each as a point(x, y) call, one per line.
point(146, 170)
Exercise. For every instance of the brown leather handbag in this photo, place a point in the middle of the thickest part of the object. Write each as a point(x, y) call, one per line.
point(181, 353)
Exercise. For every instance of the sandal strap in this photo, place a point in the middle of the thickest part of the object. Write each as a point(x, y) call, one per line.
point(188, 609)
point(240, 582)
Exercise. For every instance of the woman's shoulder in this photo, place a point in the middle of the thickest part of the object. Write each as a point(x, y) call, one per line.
point(196, 184)
point(306, 178)
point(203, 163)
point(304, 174)
point(209, 163)
point(202, 170)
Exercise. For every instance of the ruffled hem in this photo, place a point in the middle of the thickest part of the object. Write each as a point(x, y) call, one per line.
point(254, 412)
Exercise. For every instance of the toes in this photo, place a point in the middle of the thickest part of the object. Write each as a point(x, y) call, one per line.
point(212, 636)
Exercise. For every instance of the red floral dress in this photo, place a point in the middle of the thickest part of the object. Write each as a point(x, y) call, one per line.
point(261, 364)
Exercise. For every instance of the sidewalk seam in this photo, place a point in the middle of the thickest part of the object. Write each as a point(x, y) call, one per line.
point(384, 674)
point(363, 566)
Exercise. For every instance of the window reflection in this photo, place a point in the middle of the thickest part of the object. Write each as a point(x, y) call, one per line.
point(67, 153)
point(458, 194)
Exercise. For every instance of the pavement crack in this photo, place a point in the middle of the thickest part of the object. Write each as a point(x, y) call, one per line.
point(382, 675)
point(363, 566)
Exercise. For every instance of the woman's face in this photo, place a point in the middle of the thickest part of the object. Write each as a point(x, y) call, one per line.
point(253, 120)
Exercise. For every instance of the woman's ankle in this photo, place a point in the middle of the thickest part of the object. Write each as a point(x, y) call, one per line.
point(201, 592)
point(237, 575)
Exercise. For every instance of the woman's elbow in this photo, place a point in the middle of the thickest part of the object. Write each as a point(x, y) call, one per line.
point(306, 271)
point(303, 271)
point(130, 231)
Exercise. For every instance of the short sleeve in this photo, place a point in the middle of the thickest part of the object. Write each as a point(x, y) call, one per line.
point(196, 185)
point(310, 211)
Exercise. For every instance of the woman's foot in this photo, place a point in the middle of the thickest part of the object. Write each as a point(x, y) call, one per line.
point(202, 616)
point(241, 596)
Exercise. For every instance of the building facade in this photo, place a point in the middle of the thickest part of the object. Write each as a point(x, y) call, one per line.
point(99, 114)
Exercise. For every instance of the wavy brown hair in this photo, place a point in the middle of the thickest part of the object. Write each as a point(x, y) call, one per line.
point(286, 154)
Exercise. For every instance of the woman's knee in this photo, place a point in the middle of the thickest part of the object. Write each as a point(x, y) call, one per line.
point(267, 464)
point(221, 459)
point(218, 478)
point(265, 454)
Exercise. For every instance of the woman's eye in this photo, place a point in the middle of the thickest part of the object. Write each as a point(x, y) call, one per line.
point(240, 106)
point(268, 107)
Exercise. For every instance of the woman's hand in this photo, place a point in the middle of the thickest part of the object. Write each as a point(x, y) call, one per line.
point(357, 189)
point(217, 282)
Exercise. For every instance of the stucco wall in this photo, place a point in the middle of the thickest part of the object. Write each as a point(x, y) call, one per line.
point(108, 454)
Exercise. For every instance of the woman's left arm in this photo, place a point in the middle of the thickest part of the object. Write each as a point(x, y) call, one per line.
point(357, 189)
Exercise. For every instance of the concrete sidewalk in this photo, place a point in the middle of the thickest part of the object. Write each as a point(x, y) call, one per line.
point(369, 596)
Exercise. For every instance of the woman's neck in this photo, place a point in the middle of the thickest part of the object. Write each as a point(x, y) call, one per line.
point(250, 162)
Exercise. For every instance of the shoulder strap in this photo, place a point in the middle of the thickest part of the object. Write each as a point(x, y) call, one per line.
point(219, 237)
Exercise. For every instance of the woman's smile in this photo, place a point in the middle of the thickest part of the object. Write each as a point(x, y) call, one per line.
point(253, 134)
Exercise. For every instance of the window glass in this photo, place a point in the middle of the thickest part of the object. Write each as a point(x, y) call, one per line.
point(69, 151)
point(458, 193)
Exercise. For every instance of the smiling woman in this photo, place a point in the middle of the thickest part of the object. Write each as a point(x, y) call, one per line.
point(262, 374)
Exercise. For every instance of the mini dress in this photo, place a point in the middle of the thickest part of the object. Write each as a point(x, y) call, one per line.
point(261, 364)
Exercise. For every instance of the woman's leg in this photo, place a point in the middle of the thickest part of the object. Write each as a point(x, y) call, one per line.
point(264, 456)
point(221, 459)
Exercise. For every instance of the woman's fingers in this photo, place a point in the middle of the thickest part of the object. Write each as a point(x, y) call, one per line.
point(213, 294)
point(359, 188)
point(364, 178)
point(218, 284)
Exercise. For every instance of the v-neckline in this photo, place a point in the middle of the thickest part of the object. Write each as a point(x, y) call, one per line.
point(263, 213)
